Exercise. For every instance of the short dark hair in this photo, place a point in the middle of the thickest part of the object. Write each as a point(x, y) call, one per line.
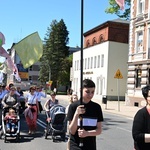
point(87, 83)
point(145, 91)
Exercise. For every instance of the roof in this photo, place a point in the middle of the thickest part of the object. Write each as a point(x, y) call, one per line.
point(105, 24)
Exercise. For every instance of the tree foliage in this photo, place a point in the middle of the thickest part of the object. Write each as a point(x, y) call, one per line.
point(54, 62)
point(115, 9)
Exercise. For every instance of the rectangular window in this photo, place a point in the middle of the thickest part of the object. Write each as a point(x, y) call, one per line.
point(102, 60)
point(98, 61)
point(85, 65)
point(139, 42)
point(75, 65)
point(140, 6)
point(31, 68)
point(88, 63)
point(138, 78)
point(91, 62)
point(95, 61)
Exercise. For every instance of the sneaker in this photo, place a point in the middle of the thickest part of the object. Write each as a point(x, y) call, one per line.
point(29, 132)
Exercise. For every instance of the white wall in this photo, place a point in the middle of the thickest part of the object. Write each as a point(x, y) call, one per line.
point(115, 57)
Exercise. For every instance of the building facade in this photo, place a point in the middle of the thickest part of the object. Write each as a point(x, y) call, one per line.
point(139, 51)
point(105, 51)
point(30, 75)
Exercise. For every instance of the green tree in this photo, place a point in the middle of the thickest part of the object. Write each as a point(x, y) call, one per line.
point(55, 52)
point(115, 9)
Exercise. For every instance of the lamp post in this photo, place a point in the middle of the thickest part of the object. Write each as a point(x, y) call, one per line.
point(81, 74)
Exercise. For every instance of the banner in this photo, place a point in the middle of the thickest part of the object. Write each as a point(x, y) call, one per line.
point(30, 49)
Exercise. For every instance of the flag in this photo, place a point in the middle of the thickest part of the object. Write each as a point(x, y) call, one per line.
point(3, 68)
point(9, 61)
point(16, 74)
point(2, 39)
point(29, 50)
point(1, 77)
point(120, 3)
point(3, 52)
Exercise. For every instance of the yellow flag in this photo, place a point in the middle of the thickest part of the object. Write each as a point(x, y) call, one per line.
point(30, 49)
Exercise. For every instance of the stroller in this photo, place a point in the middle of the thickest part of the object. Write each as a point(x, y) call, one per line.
point(56, 126)
point(3, 130)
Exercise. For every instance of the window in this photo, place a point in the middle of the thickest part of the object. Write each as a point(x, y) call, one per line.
point(91, 62)
point(85, 65)
point(88, 43)
point(30, 68)
point(140, 6)
point(138, 78)
point(98, 61)
point(88, 63)
point(75, 65)
point(94, 41)
point(101, 38)
point(95, 61)
point(139, 43)
point(102, 60)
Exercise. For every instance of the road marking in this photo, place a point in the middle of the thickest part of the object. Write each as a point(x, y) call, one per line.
point(124, 129)
point(41, 123)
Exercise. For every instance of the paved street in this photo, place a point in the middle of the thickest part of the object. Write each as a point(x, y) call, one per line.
point(116, 132)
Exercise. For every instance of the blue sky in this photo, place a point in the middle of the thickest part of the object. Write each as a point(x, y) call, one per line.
point(19, 18)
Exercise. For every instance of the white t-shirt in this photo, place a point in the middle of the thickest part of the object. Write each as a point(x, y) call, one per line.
point(39, 95)
point(31, 99)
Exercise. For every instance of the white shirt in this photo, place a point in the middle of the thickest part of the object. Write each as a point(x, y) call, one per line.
point(31, 99)
point(39, 95)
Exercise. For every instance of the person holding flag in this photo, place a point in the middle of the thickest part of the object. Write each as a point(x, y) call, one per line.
point(92, 117)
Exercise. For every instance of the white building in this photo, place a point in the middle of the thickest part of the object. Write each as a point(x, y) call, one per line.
point(105, 51)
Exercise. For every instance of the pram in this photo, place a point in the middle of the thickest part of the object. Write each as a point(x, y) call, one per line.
point(3, 131)
point(56, 125)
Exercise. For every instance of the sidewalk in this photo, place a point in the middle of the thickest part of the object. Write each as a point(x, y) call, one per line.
point(114, 107)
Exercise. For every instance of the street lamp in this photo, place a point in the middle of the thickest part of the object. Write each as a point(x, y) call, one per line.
point(81, 74)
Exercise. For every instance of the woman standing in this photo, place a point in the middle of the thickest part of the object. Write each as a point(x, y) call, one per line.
point(141, 124)
point(40, 94)
point(32, 107)
point(50, 102)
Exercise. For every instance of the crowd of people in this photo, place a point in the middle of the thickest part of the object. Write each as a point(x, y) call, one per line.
point(32, 107)
point(84, 116)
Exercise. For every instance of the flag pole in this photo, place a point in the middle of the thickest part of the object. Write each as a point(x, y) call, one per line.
point(81, 73)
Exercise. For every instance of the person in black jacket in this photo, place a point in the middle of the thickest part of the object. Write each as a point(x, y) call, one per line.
point(141, 123)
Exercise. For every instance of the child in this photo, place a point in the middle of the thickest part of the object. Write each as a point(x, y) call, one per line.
point(91, 118)
point(73, 98)
point(11, 119)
